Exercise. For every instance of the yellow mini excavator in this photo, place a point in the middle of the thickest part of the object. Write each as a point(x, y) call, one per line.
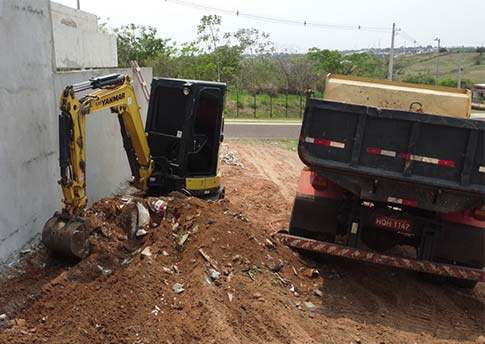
point(177, 150)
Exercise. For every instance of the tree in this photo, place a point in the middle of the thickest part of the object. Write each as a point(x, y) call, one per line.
point(258, 70)
point(480, 50)
point(208, 31)
point(326, 60)
point(358, 64)
point(139, 42)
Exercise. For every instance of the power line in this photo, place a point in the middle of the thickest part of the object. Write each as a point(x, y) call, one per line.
point(277, 20)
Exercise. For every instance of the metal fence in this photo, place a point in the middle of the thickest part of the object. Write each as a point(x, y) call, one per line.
point(242, 104)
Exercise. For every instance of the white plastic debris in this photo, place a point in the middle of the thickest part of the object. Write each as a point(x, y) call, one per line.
point(178, 288)
point(141, 232)
point(104, 271)
point(143, 215)
point(146, 252)
point(214, 274)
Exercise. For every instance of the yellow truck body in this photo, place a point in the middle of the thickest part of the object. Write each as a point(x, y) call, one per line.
point(436, 100)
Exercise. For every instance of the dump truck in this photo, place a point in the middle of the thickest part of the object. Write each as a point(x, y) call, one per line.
point(400, 183)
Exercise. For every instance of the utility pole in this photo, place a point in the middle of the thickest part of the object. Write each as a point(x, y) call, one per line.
point(459, 70)
point(391, 53)
point(437, 61)
point(78, 4)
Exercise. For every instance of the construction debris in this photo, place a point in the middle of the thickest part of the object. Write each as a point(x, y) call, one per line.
point(178, 288)
point(208, 259)
point(229, 157)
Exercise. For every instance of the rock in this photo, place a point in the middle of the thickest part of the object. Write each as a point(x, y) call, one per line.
point(182, 239)
point(230, 296)
point(276, 266)
point(237, 258)
point(3, 317)
point(141, 232)
point(143, 215)
point(165, 253)
point(20, 322)
point(480, 340)
point(257, 295)
point(26, 251)
point(178, 288)
point(146, 252)
point(318, 292)
point(310, 306)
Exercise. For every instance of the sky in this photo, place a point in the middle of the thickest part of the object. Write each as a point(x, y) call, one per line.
point(456, 23)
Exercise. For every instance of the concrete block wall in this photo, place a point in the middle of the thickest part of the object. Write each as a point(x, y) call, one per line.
point(28, 125)
point(78, 44)
point(29, 96)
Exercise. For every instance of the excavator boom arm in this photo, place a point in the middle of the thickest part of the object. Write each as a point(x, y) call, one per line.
point(114, 92)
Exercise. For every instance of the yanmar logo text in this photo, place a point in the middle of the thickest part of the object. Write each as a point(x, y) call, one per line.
point(113, 99)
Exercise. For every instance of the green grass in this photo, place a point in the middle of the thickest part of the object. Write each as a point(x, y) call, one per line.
point(287, 144)
point(264, 108)
point(425, 64)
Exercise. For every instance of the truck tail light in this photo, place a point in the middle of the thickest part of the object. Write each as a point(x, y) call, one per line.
point(479, 213)
point(319, 182)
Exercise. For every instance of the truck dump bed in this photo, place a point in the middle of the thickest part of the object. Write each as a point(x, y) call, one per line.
point(415, 159)
point(437, 100)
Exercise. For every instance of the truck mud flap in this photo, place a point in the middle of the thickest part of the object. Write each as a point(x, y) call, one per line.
point(404, 263)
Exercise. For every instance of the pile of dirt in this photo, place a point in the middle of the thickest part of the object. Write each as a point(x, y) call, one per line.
point(201, 273)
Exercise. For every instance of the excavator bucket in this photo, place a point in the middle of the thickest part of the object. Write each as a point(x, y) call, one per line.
point(66, 237)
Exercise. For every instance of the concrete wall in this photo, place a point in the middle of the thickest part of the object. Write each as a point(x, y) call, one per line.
point(107, 166)
point(28, 141)
point(29, 95)
point(78, 44)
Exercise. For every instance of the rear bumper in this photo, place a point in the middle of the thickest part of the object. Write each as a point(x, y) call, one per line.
point(375, 258)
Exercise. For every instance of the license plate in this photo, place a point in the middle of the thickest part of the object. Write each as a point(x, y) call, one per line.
point(398, 225)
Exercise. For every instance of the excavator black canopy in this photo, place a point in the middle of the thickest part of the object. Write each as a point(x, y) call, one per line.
point(184, 126)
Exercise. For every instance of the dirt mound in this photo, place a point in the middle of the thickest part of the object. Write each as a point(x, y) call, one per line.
point(202, 273)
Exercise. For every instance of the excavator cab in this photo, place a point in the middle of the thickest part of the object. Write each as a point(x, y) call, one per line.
point(184, 127)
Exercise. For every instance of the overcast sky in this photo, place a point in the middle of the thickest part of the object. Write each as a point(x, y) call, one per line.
point(456, 22)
